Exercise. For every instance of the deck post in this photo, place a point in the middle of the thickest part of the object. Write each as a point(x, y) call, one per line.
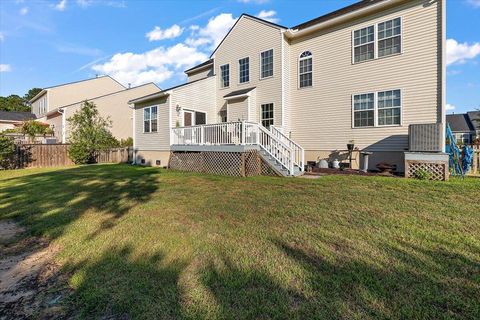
point(202, 135)
point(242, 132)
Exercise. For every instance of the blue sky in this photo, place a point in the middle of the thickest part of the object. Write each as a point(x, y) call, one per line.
point(43, 43)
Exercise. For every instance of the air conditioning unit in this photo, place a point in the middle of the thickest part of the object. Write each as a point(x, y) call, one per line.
point(425, 137)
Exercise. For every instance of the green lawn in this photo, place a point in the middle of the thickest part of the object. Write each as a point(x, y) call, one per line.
point(151, 243)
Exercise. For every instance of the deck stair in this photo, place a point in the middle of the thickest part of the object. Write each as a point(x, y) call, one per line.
point(281, 153)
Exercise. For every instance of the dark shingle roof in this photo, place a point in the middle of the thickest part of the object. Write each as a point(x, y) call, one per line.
point(238, 92)
point(351, 8)
point(474, 117)
point(459, 122)
point(16, 116)
point(200, 65)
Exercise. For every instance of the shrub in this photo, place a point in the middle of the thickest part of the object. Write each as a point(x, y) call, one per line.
point(32, 128)
point(90, 134)
point(422, 174)
point(7, 152)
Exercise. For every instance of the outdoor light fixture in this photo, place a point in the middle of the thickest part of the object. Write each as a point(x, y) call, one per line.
point(178, 108)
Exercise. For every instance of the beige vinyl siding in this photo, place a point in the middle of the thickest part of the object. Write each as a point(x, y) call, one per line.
point(37, 103)
point(237, 109)
point(192, 76)
point(6, 125)
point(248, 39)
point(286, 77)
point(56, 121)
point(321, 116)
point(153, 141)
point(198, 96)
point(115, 107)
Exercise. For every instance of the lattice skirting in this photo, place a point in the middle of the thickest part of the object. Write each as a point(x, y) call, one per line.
point(437, 170)
point(241, 164)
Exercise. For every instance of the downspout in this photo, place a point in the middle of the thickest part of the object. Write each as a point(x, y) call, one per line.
point(134, 156)
point(64, 123)
point(443, 71)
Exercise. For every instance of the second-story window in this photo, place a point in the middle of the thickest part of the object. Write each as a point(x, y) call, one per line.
point(244, 70)
point(266, 69)
point(364, 44)
point(305, 70)
point(389, 37)
point(225, 75)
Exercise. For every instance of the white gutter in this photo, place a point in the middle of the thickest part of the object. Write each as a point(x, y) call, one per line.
point(293, 33)
point(443, 84)
point(134, 157)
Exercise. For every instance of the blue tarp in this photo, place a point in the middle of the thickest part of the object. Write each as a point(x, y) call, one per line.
point(460, 161)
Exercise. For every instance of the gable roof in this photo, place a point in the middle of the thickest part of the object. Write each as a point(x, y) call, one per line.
point(459, 122)
point(16, 116)
point(41, 93)
point(474, 117)
point(337, 13)
point(200, 66)
point(274, 25)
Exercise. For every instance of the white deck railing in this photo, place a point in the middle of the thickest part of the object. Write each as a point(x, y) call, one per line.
point(276, 144)
point(299, 152)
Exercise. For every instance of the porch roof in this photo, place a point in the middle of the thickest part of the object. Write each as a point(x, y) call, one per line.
point(238, 93)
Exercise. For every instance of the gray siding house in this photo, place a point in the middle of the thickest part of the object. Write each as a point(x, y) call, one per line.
point(360, 74)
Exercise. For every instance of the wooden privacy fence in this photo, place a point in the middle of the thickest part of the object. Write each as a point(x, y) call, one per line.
point(56, 155)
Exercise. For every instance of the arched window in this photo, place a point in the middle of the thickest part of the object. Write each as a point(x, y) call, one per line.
point(305, 74)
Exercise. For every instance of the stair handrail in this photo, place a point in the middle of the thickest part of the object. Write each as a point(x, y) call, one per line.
point(288, 160)
point(293, 145)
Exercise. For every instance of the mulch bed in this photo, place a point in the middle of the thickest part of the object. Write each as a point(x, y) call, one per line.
point(331, 171)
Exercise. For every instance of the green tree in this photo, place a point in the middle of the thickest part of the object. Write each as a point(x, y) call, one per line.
point(89, 134)
point(33, 128)
point(13, 103)
point(31, 93)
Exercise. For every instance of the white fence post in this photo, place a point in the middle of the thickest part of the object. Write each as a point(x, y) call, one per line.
point(242, 132)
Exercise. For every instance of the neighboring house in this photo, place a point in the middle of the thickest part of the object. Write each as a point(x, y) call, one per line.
point(54, 105)
point(363, 73)
point(12, 119)
point(465, 126)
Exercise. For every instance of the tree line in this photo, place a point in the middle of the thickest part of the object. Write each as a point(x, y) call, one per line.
point(14, 102)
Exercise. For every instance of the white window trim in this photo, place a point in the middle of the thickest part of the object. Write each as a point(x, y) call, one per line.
point(375, 43)
point(298, 69)
point(260, 64)
point(238, 64)
point(375, 109)
point(229, 76)
point(260, 109)
point(375, 40)
point(143, 119)
point(193, 111)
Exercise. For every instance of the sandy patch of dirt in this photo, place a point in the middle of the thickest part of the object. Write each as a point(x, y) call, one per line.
point(31, 285)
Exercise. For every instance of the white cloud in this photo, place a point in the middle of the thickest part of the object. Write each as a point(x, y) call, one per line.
point(155, 65)
point(268, 15)
point(87, 3)
point(78, 49)
point(460, 52)
point(84, 3)
point(474, 3)
point(449, 107)
point(2, 37)
point(24, 11)
point(5, 68)
point(158, 34)
point(254, 1)
point(215, 30)
point(61, 6)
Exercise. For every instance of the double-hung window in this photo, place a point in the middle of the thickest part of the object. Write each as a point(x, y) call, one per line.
point(267, 115)
point(266, 67)
point(389, 107)
point(150, 122)
point(225, 75)
point(374, 109)
point(378, 40)
point(364, 110)
point(305, 70)
point(244, 70)
point(389, 37)
point(364, 44)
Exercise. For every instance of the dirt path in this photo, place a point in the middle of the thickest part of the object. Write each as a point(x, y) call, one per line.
point(31, 285)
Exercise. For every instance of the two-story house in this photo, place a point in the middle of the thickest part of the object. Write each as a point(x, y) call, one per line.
point(54, 105)
point(361, 74)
